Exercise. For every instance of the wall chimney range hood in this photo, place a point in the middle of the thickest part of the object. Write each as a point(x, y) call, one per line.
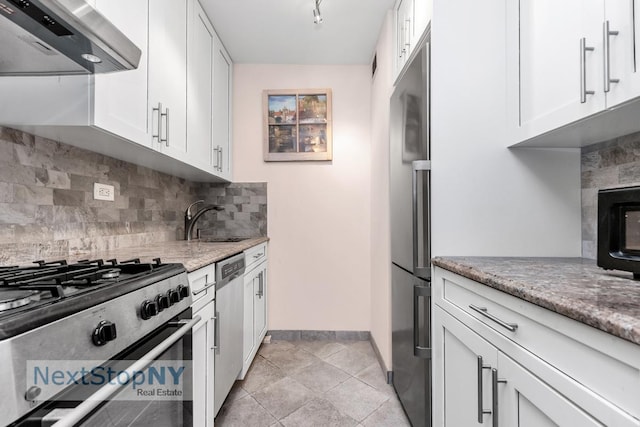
point(60, 37)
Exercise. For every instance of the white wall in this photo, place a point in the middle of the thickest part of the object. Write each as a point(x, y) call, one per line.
point(487, 199)
point(319, 213)
point(380, 238)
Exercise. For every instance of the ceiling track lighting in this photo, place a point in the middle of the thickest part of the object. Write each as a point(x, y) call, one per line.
point(317, 17)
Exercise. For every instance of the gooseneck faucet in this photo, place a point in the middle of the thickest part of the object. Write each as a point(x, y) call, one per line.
point(190, 220)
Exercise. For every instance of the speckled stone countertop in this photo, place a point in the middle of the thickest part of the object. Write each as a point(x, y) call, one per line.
point(574, 287)
point(193, 254)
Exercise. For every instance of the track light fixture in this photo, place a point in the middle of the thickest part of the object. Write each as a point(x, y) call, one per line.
point(317, 18)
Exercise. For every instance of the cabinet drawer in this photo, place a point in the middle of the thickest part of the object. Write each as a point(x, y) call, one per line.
point(255, 255)
point(600, 361)
point(202, 284)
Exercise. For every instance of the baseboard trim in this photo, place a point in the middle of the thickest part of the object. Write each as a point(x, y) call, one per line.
point(306, 335)
point(387, 373)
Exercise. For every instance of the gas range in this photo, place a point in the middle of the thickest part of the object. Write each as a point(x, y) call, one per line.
point(91, 310)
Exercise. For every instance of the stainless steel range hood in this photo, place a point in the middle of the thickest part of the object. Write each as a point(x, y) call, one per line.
point(58, 37)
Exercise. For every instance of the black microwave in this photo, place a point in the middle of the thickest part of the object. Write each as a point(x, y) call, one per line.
point(619, 229)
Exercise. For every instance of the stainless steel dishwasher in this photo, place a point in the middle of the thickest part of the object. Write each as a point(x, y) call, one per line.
point(229, 325)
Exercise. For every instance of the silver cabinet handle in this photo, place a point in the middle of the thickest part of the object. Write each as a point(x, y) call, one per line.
point(583, 70)
point(419, 166)
point(105, 392)
point(607, 56)
point(483, 311)
point(159, 110)
point(215, 150)
point(494, 395)
point(407, 28)
point(166, 128)
point(216, 338)
point(481, 411)
point(220, 168)
point(421, 291)
point(207, 286)
point(260, 285)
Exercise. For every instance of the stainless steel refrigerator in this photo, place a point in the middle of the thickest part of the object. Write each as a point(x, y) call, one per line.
point(410, 170)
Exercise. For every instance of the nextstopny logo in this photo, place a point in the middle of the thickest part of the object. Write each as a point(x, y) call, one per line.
point(161, 380)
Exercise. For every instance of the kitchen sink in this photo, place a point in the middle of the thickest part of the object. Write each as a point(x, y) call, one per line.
point(223, 239)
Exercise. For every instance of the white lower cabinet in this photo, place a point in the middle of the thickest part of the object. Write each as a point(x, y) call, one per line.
point(201, 283)
point(203, 366)
point(509, 369)
point(255, 305)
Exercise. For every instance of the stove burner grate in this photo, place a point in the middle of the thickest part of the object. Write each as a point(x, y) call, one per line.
point(10, 299)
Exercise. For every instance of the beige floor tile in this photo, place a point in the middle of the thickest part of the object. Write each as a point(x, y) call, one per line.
point(260, 374)
point(318, 412)
point(243, 412)
point(275, 346)
point(390, 414)
point(362, 346)
point(355, 398)
point(321, 349)
point(283, 397)
point(320, 376)
point(237, 392)
point(351, 361)
point(292, 360)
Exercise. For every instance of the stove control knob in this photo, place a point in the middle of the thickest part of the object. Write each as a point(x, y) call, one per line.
point(104, 332)
point(148, 309)
point(183, 291)
point(174, 296)
point(32, 393)
point(163, 302)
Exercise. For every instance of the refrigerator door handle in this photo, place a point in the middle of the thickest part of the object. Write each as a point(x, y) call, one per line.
point(418, 166)
point(421, 291)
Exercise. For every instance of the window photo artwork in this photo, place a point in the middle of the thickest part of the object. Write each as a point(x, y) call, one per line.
point(298, 125)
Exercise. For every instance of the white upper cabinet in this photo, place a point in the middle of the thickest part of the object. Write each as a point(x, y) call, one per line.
point(570, 62)
point(121, 98)
point(200, 87)
point(222, 85)
point(412, 18)
point(168, 76)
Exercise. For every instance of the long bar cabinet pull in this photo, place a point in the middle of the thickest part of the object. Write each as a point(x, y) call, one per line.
point(494, 391)
point(483, 311)
point(607, 56)
point(583, 70)
point(481, 411)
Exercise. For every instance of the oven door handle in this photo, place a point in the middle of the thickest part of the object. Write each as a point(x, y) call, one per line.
point(96, 399)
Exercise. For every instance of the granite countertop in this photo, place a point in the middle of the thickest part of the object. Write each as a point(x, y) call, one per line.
point(574, 287)
point(193, 254)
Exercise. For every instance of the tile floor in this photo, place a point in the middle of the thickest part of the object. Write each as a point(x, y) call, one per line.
point(313, 383)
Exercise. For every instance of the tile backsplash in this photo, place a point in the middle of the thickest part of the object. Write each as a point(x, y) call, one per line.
point(609, 164)
point(47, 210)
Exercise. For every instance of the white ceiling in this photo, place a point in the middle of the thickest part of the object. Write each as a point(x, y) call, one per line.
point(283, 32)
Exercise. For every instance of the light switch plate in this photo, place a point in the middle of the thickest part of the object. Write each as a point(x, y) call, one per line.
point(103, 192)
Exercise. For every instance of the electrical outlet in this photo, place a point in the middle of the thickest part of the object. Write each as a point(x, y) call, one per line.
point(103, 192)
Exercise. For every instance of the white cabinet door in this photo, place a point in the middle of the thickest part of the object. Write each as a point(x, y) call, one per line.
point(203, 336)
point(622, 17)
point(248, 342)
point(120, 99)
point(200, 87)
point(260, 305)
point(168, 76)
point(526, 401)
point(552, 61)
point(404, 32)
point(462, 373)
point(222, 84)
point(423, 10)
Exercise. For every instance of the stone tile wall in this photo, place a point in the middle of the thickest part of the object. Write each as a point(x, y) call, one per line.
point(47, 209)
point(608, 164)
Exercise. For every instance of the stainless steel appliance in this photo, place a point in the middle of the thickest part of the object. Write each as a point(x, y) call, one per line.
point(53, 37)
point(410, 170)
point(229, 326)
point(75, 339)
point(619, 229)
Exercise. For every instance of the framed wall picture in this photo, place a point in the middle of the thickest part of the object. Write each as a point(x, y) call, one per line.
point(297, 125)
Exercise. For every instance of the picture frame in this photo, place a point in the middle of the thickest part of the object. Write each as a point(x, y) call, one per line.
point(297, 125)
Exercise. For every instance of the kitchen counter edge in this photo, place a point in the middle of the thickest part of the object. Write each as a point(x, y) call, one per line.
point(573, 287)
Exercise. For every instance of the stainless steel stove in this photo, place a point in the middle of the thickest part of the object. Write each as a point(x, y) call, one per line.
point(92, 310)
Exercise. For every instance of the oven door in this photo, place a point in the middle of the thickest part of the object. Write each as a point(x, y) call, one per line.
point(150, 384)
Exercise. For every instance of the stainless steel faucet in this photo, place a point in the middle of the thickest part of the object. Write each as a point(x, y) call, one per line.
point(190, 220)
